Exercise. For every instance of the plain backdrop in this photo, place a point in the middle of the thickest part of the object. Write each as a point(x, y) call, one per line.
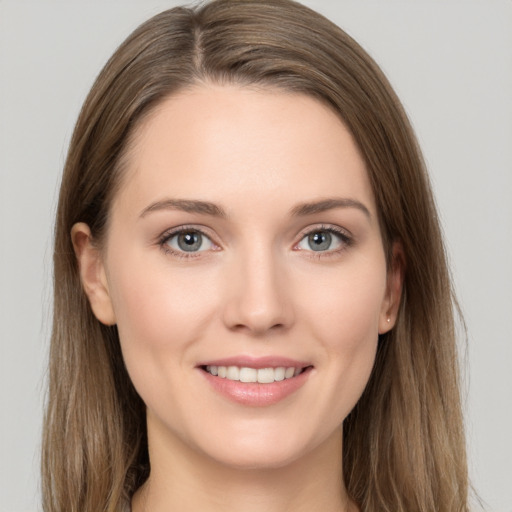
point(450, 62)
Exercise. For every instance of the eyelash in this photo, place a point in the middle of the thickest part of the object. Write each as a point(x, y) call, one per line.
point(345, 238)
point(168, 235)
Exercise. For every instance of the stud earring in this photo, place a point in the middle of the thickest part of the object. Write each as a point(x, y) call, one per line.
point(389, 319)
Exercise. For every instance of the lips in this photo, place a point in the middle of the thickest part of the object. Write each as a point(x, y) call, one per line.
point(256, 381)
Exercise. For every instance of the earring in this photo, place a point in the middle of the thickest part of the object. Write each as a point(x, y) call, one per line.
point(389, 319)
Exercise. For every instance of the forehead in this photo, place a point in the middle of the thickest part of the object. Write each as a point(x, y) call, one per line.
point(243, 147)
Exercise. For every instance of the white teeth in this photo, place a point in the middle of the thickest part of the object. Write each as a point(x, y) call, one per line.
point(262, 375)
point(248, 375)
point(279, 373)
point(266, 375)
point(233, 373)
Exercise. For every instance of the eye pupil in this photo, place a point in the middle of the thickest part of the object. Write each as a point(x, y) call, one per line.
point(190, 241)
point(320, 241)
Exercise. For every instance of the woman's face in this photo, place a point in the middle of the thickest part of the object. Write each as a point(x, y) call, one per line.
point(244, 244)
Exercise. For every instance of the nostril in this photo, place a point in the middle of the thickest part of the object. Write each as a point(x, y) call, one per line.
point(259, 329)
point(256, 308)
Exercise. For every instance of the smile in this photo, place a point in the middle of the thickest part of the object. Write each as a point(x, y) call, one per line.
point(256, 382)
point(260, 375)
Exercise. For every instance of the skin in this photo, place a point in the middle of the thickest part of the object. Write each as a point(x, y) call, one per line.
point(255, 288)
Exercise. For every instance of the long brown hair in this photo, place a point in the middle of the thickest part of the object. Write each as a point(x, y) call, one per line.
point(404, 447)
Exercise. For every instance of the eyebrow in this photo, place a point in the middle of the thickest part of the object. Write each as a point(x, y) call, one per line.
point(328, 204)
point(208, 208)
point(185, 205)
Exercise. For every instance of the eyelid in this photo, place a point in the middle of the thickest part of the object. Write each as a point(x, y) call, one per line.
point(346, 238)
point(186, 228)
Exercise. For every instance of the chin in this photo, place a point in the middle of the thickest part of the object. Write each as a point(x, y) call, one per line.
point(266, 451)
point(257, 461)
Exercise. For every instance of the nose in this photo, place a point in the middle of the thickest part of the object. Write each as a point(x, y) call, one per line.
point(258, 299)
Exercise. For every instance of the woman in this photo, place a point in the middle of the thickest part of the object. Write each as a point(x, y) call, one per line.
point(252, 302)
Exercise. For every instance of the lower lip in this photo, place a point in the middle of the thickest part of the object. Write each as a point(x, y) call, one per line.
point(255, 394)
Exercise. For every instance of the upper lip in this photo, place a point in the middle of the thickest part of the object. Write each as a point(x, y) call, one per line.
point(256, 362)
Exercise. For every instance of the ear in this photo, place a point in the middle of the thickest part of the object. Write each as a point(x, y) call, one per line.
point(395, 280)
point(92, 273)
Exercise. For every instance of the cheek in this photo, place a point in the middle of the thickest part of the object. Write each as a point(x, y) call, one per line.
point(344, 320)
point(160, 313)
point(154, 303)
point(346, 307)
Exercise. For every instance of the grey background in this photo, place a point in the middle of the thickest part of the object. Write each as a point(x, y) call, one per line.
point(450, 62)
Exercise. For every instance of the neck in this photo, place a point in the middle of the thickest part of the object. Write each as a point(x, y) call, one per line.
point(185, 480)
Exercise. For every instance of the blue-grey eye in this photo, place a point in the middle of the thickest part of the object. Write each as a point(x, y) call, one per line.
point(189, 241)
point(321, 240)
